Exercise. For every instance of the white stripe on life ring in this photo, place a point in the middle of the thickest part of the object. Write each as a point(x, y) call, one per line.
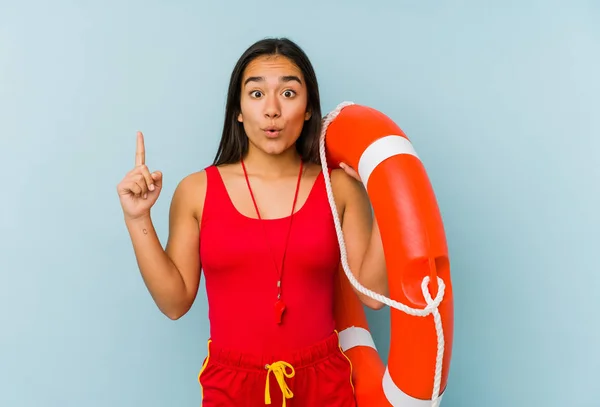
point(379, 151)
point(355, 336)
point(398, 398)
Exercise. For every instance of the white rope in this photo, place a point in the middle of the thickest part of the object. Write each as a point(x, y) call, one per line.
point(432, 304)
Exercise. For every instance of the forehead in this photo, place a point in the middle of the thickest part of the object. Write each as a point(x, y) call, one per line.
point(272, 67)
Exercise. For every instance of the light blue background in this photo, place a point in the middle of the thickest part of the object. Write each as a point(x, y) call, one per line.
point(501, 102)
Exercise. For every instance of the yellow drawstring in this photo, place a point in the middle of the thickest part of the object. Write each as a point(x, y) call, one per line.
point(279, 370)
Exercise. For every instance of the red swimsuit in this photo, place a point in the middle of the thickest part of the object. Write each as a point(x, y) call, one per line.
point(241, 285)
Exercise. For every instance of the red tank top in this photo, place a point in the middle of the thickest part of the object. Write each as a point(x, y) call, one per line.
point(241, 279)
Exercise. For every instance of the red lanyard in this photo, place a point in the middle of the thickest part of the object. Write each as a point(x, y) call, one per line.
point(279, 304)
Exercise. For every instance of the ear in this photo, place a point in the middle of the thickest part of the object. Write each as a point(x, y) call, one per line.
point(307, 115)
point(240, 118)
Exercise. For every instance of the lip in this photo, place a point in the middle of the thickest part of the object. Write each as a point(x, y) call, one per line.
point(272, 132)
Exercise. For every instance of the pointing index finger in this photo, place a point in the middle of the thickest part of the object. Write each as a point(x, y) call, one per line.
point(140, 152)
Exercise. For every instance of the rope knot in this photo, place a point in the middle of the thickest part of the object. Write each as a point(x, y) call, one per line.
point(280, 372)
point(431, 303)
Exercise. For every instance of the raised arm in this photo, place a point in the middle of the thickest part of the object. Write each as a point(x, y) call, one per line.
point(361, 235)
point(172, 276)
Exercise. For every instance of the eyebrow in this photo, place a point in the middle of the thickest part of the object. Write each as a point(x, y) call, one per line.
point(287, 78)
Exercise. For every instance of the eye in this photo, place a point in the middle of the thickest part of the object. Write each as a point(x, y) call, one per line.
point(255, 93)
point(289, 93)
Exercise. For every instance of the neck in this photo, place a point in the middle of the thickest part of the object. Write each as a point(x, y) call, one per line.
point(271, 165)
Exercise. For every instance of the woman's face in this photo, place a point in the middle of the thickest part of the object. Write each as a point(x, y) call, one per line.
point(273, 103)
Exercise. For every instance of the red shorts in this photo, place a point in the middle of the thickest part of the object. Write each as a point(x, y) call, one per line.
point(320, 375)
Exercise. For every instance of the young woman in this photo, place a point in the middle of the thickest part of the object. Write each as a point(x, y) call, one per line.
point(258, 223)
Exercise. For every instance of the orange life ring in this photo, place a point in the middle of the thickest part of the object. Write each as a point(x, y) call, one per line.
point(417, 260)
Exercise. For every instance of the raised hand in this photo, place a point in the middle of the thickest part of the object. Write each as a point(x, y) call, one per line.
point(139, 189)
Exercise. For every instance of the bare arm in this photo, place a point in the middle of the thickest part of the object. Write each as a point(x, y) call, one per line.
point(362, 238)
point(172, 276)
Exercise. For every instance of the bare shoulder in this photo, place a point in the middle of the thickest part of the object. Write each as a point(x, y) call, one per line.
point(339, 179)
point(346, 188)
point(190, 193)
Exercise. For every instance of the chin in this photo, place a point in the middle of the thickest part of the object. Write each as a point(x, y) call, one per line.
point(275, 146)
point(274, 150)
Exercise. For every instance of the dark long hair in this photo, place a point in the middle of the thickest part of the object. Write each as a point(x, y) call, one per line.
point(234, 142)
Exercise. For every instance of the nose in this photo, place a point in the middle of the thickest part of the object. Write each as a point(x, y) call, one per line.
point(272, 107)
